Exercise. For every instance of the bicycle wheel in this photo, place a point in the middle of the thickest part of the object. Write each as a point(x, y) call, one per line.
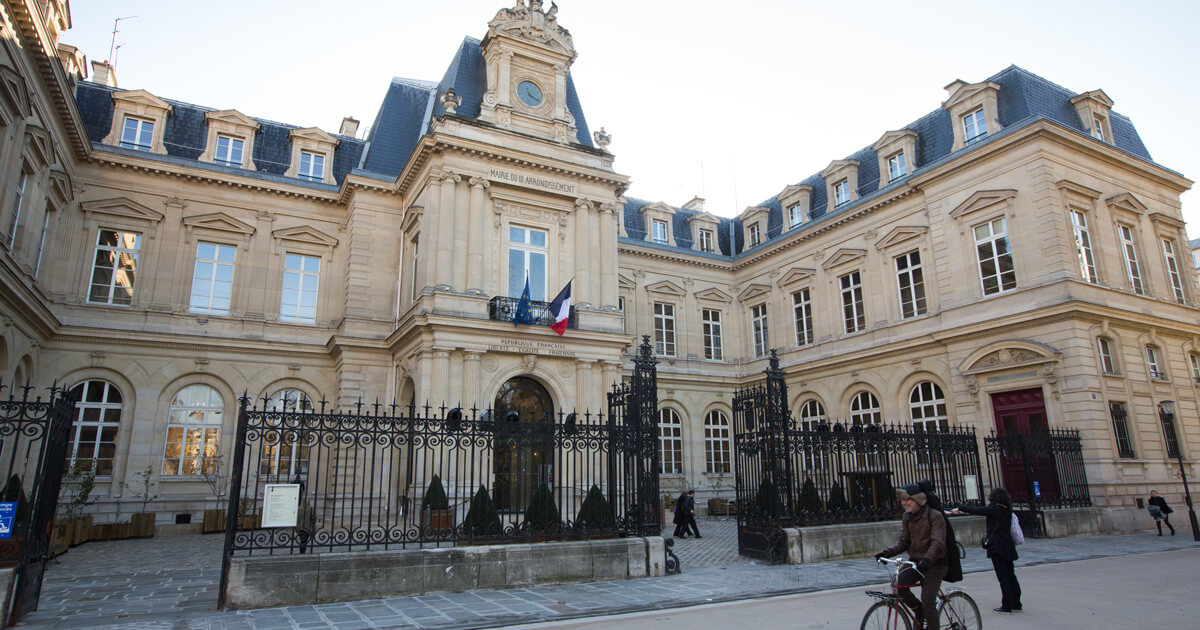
point(882, 616)
point(959, 612)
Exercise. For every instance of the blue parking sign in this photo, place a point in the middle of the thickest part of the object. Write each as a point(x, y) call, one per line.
point(1037, 490)
point(8, 512)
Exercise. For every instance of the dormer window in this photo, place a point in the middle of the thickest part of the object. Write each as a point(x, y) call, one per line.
point(229, 151)
point(137, 134)
point(706, 241)
point(841, 192)
point(1098, 128)
point(897, 167)
point(312, 166)
point(660, 232)
point(755, 235)
point(1093, 110)
point(795, 216)
point(974, 126)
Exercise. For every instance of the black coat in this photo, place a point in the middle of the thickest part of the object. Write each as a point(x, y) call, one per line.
point(1162, 504)
point(999, 529)
point(684, 506)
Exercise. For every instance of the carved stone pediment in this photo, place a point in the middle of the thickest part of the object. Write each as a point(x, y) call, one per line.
point(624, 282)
point(754, 290)
point(531, 23)
point(14, 95)
point(232, 117)
point(60, 191)
point(122, 207)
point(314, 134)
point(218, 221)
point(1126, 202)
point(39, 147)
point(1006, 354)
point(305, 234)
point(843, 256)
point(901, 234)
point(665, 287)
point(795, 275)
point(982, 200)
point(141, 100)
point(714, 295)
point(960, 91)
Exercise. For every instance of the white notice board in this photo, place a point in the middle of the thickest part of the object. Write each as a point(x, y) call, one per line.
point(971, 483)
point(281, 502)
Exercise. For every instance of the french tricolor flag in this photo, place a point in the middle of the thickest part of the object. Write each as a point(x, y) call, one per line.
point(560, 309)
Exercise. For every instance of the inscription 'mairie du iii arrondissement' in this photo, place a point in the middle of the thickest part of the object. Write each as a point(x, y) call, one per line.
point(531, 181)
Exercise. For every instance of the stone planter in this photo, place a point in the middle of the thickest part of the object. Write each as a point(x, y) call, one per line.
point(142, 525)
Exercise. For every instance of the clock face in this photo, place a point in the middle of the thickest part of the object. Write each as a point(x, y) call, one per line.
point(529, 93)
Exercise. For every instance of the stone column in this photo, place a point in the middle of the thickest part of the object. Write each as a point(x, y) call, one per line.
point(446, 210)
point(475, 235)
point(593, 255)
point(440, 381)
point(608, 255)
point(470, 381)
point(460, 233)
point(428, 239)
point(585, 392)
point(583, 259)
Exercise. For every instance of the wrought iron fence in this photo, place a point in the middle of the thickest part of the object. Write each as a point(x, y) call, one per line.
point(34, 435)
point(1039, 470)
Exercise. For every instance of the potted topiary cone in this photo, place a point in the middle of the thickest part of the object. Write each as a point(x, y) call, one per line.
point(542, 518)
point(482, 520)
point(595, 516)
point(436, 516)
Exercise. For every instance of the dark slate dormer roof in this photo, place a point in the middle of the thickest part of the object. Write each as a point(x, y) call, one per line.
point(635, 227)
point(1023, 99)
point(186, 133)
point(409, 107)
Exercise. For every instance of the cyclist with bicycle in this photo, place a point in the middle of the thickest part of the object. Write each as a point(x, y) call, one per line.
point(923, 536)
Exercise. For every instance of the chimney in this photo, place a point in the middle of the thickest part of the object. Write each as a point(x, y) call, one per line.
point(954, 85)
point(697, 203)
point(349, 126)
point(104, 73)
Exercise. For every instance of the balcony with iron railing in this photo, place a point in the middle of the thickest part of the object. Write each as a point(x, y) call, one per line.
point(503, 309)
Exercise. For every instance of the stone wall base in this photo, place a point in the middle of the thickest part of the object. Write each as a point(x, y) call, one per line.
point(832, 542)
point(266, 581)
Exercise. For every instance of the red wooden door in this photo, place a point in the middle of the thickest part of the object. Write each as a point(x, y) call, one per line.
point(1022, 414)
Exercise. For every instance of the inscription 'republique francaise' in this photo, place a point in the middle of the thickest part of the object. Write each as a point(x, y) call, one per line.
point(531, 181)
point(524, 346)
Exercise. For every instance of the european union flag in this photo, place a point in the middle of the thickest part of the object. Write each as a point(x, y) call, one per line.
point(524, 314)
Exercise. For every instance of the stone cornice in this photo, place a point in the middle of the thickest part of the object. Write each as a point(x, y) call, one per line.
point(43, 52)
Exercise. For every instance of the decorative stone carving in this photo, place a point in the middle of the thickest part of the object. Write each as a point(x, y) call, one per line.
point(565, 369)
point(479, 182)
point(530, 361)
point(451, 101)
point(489, 364)
point(602, 138)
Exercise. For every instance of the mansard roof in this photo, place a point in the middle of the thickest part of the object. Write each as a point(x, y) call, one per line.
point(409, 107)
point(186, 133)
point(635, 227)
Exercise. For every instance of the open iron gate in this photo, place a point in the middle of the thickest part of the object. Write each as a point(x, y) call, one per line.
point(33, 451)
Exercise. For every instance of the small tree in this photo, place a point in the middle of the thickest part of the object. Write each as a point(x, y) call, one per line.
point(217, 480)
point(435, 496)
point(144, 486)
point(594, 513)
point(482, 518)
point(542, 512)
point(837, 498)
point(810, 499)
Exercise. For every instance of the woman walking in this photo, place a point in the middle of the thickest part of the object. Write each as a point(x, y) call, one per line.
point(1000, 546)
point(1160, 511)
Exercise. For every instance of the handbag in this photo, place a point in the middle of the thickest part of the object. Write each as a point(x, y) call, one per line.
point(1018, 536)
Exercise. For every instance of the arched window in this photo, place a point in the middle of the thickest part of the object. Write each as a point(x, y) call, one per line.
point(716, 443)
point(812, 418)
point(927, 407)
point(864, 409)
point(97, 421)
point(670, 443)
point(812, 414)
point(285, 453)
point(193, 431)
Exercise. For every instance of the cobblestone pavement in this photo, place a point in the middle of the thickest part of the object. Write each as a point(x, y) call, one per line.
point(124, 585)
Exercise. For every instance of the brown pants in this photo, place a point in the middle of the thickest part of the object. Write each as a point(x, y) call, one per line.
point(926, 607)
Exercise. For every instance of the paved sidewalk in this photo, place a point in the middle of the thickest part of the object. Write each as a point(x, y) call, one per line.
point(111, 586)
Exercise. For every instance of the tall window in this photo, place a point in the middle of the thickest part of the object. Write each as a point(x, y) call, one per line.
point(1194, 361)
point(758, 321)
point(114, 267)
point(660, 231)
point(287, 455)
point(1170, 437)
point(912, 284)
point(193, 431)
point(97, 421)
point(841, 192)
point(812, 418)
point(1168, 248)
point(312, 166)
point(706, 241)
point(37, 266)
point(137, 134)
point(802, 312)
point(865, 414)
point(18, 202)
point(527, 255)
point(670, 443)
point(301, 277)
point(229, 151)
point(212, 280)
point(664, 329)
point(1121, 429)
point(974, 126)
point(853, 316)
point(1129, 249)
point(1107, 364)
point(1083, 247)
point(795, 216)
point(755, 235)
point(1152, 363)
point(927, 407)
point(717, 445)
point(897, 167)
point(416, 260)
point(711, 321)
point(996, 271)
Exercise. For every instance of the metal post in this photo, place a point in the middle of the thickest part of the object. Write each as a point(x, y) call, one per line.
point(235, 497)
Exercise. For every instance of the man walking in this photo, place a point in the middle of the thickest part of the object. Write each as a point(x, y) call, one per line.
point(923, 535)
point(691, 514)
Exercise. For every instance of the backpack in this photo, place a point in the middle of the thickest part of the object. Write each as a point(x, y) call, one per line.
point(954, 551)
point(1018, 536)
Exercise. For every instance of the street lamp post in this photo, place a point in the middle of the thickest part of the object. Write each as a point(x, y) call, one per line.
point(1166, 413)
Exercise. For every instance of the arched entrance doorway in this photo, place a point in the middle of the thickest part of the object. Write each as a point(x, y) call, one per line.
point(524, 448)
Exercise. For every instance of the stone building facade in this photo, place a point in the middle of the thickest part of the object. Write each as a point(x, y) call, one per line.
point(1012, 259)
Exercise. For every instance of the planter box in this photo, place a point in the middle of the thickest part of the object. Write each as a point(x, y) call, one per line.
point(434, 520)
point(142, 525)
point(718, 507)
point(81, 530)
point(214, 521)
point(60, 537)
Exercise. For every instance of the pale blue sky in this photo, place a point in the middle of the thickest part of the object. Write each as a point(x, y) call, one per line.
point(754, 96)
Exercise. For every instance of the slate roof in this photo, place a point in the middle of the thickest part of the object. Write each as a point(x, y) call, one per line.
point(1023, 99)
point(186, 134)
point(635, 226)
point(409, 107)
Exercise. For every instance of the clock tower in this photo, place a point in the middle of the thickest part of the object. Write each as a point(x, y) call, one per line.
point(528, 55)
